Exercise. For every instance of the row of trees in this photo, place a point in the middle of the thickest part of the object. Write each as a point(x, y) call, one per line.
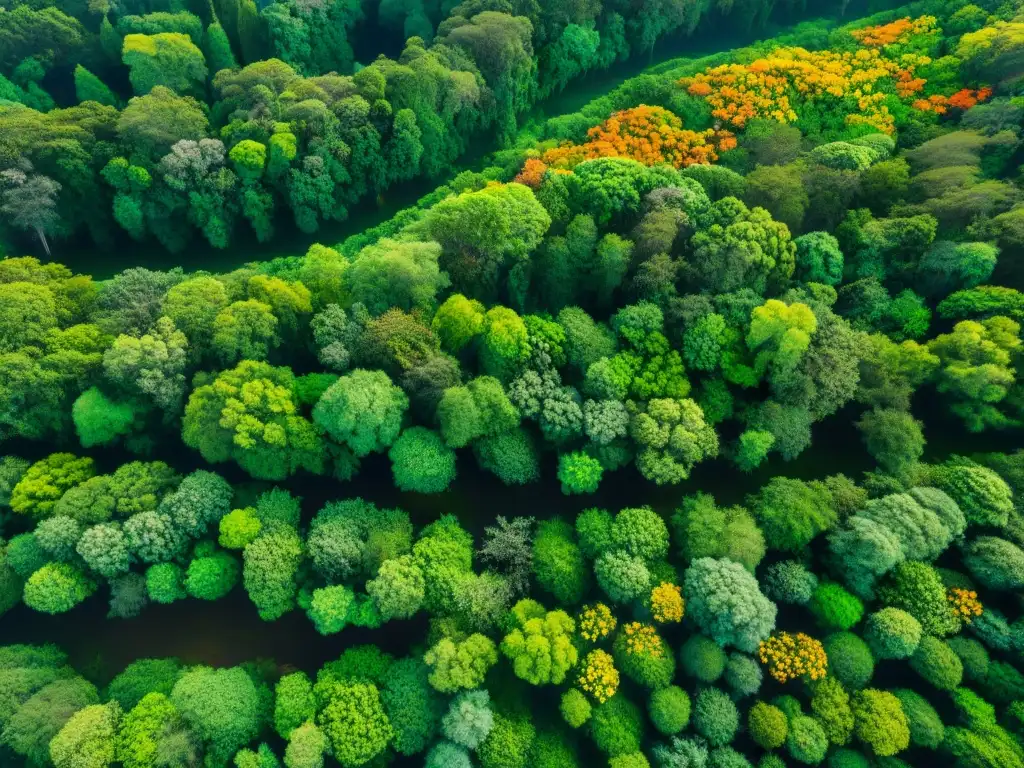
point(660, 636)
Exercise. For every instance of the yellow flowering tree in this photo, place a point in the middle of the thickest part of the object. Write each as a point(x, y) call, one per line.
point(789, 656)
point(596, 622)
point(667, 604)
point(598, 676)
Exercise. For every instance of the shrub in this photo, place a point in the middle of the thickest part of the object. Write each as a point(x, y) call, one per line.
point(579, 473)
point(421, 462)
point(623, 577)
point(445, 754)
point(789, 582)
point(617, 726)
point(598, 675)
point(669, 709)
point(926, 728)
point(995, 563)
point(892, 633)
point(879, 722)
point(743, 675)
point(973, 657)
point(984, 496)
point(790, 655)
point(644, 656)
point(972, 709)
point(768, 725)
point(936, 662)
point(836, 608)
point(641, 532)
point(703, 658)
point(727, 757)
point(848, 758)
point(806, 741)
point(1003, 683)
point(469, 719)
point(918, 590)
point(724, 600)
point(715, 716)
point(849, 659)
point(508, 744)
point(57, 588)
point(558, 562)
point(681, 752)
point(830, 703)
point(575, 708)
point(165, 582)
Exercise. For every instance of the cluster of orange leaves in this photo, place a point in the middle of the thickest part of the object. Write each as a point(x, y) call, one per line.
point(895, 32)
point(771, 88)
point(642, 640)
point(667, 604)
point(965, 603)
point(650, 135)
point(965, 98)
point(790, 656)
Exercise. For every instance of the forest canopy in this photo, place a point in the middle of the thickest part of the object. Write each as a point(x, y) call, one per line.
point(683, 432)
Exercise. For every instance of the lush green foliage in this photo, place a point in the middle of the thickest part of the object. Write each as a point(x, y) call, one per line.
point(802, 251)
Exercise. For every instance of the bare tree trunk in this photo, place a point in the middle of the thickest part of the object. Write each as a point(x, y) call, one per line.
point(42, 238)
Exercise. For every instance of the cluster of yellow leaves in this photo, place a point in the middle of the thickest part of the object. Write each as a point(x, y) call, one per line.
point(642, 640)
point(774, 87)
point(598, 676)
point(965, 603)
point(650, 135)
point(895, 32)
point(789, 656)
point(667, 604)
point(595, 622)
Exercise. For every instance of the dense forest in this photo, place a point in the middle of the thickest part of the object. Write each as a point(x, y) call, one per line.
point(739, 339)
point(182, 118)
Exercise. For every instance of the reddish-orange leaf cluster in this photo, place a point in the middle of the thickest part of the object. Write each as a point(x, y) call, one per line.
point(893, 33)
point(962, 99)
point(650, 135)
point(907, 85)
